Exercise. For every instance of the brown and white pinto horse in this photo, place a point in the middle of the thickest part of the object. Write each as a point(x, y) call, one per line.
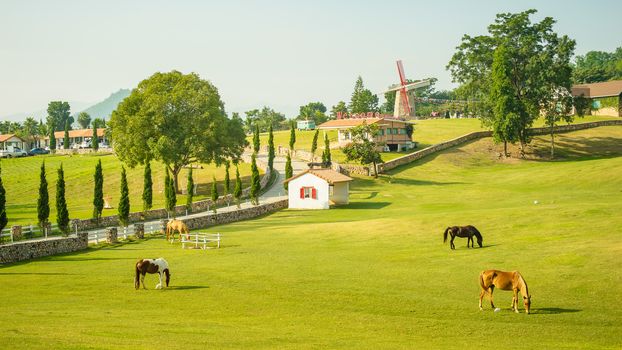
point(463, 231)
point(144, 266)
point(513, 281)
point(175, 225)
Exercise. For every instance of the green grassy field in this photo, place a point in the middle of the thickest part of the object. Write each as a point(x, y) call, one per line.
point(20, 177)
point(372, 274)
point(427, 132)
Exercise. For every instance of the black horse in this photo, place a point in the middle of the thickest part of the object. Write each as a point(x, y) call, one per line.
point(463, 231)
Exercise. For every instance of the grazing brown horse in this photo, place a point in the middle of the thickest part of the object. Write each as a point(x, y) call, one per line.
point(175, 225)
point(144, 266)
point(463, 231)
point(513, 281)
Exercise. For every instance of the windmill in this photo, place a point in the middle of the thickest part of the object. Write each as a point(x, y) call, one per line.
point(405, 94)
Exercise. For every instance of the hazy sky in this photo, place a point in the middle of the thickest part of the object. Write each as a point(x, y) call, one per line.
point(282, 54)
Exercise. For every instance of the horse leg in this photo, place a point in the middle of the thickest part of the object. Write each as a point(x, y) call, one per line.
point(451, 243)
point(142, 279)
point(481, 296)
point(159, 286)
point(492, 288)
point(470, 240)
point(515, 301)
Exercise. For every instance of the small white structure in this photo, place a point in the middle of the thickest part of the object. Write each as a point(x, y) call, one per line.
point(318, 189)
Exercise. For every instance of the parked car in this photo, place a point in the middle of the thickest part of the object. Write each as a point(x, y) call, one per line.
point(35, 151)
point(16, 152)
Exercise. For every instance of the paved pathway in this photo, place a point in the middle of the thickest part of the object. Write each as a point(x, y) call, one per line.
point(275, 193)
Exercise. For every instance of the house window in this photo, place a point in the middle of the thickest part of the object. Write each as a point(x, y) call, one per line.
point(394, 131)
point(402, 131)
point(381, 132)
point(308, 192)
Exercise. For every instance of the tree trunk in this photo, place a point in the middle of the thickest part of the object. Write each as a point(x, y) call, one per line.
point(505, 148)
point(375, 170)
point(175, 172)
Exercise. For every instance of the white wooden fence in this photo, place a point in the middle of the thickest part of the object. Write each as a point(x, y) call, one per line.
point(200, 240)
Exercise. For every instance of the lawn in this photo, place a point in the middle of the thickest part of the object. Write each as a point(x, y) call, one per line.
point(372, 274)
point(20, 177)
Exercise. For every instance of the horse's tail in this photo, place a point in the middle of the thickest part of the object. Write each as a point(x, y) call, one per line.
point(137, 278)
point(481, 280)
point(445, 235)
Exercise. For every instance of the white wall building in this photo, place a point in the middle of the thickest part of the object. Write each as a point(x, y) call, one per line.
point(318, 189)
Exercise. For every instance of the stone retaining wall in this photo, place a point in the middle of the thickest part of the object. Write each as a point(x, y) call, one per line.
point(211, 219)
point(26, 250)
point(480, 134)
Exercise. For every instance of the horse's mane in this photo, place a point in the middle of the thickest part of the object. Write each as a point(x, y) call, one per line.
point(521, 279)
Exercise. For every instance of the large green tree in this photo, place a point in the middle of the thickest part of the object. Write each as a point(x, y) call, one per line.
point(178, 119)
point(59, 112)
point(84, 119)
point(98, 191)
point(340, 107)
point(263, 118)
point(597, 66)
point(43, 202)
point(531, 48)
point(315, 111)
point(62, 214)
point(362, 148)
point(362, 100)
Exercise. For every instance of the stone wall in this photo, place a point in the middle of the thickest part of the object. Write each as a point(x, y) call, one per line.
point(26, 250)
point(150, 215)
point(211, 219)
point(479, 134)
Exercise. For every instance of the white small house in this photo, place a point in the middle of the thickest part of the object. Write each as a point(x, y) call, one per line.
point(318, 189)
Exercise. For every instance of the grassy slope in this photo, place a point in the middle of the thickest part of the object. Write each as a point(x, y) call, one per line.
point(21, 181)
point(373, 274)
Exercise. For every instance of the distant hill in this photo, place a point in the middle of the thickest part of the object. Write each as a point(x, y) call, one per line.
point(104, 108)
point(42, 114)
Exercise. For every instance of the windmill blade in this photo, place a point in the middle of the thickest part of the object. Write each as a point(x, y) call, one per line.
point(410, 86)
point(400, 71)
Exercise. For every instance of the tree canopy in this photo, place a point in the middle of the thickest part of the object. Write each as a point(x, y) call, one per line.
point(363, 148)
point(535, 54)
point(59, 112)
point(178, 119)
point(315, 111)
point(597, 66)
point(84, 119)
point(263, 119)
point(363, 100)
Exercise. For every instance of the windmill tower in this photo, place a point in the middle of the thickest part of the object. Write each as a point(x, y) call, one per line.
point(405, 94)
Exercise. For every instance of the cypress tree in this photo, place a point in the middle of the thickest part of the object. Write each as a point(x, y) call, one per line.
point(214, 191)
point(227, 184)
point(326, 158)
point(95, 138)
point(292, 136)
point(124, 201)
point(62, 215)
point(270, 149)
point(98, 192)
point(237, 191)
point(170, 197)
point(147, 188)
point(52, 140)
point(314, 143)
point(256, 139)
point(189, 190)
point(3, 219)
point(66, 139)
point(255, 186)
point(43, 202)
point(289, 171)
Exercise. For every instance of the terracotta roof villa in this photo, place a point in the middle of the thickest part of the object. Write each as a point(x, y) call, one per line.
point(391, 132)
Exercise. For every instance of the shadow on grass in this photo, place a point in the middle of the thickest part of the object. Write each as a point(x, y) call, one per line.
point(38, 273)
point(363, 205)
point(552, 311)
point(187, 287)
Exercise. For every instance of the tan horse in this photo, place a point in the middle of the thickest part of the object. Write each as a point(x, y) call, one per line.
point(513, 281)
point(175, 225)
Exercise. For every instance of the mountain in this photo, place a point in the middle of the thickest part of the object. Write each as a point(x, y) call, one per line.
point(104, 108)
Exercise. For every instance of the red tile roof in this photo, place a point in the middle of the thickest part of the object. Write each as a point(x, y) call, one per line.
point(5, 137)
point(78, 133)
point(328, 175)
